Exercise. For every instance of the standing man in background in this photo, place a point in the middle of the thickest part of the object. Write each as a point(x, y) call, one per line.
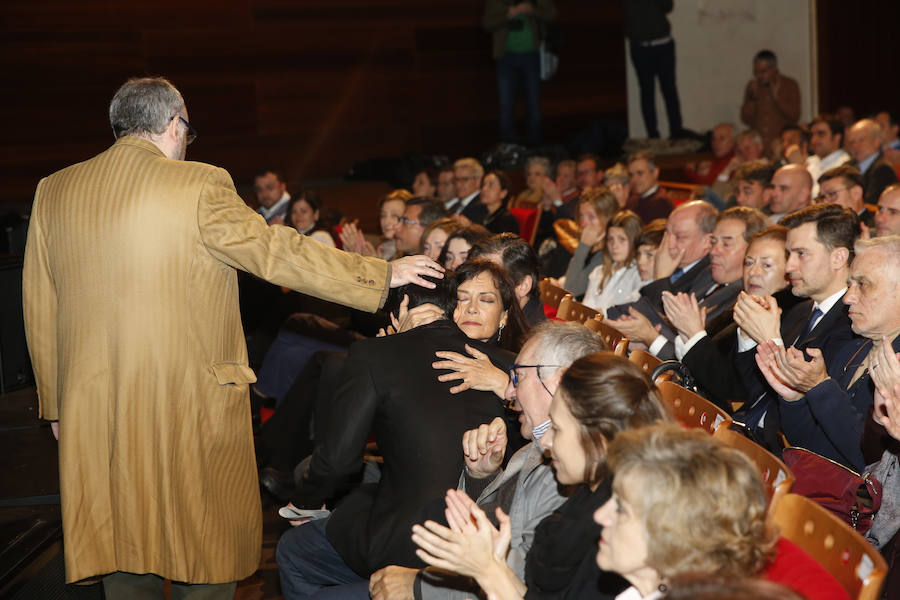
point(131, 314)
point(771, 100)
point(653, 56)
point(517, 29)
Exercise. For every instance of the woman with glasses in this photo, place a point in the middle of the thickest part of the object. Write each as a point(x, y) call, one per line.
point(599, 396)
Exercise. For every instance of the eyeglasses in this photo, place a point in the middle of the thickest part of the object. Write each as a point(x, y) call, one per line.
point(406, 221)
point(831, 196)
point(191, 135)
point(514, 375)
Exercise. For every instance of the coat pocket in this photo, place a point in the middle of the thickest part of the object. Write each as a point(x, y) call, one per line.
point(233, 373)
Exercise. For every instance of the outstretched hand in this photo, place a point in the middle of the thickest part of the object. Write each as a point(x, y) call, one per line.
point(410, 269)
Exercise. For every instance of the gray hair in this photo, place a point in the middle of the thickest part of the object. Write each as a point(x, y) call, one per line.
point(752, 134)
point(888, 244)
point(470, 163)
point(542, 161)
point(562, 343)
point(143, 106)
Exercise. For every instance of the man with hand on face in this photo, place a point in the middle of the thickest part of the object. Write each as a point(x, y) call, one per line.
point(771, 100)
point(692, 313)
point(681, 264)
point(526, 489)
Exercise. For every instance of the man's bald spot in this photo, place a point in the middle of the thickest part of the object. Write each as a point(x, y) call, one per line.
point(798, 174)
point(867, 127)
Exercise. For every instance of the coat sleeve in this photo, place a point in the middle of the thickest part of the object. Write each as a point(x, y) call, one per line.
point(577, 271)
point(235, 235)
point(40, 309)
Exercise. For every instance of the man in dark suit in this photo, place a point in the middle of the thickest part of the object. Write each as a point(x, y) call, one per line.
point(389, 388)
point(690, 314)
point(820, 242)
point(844, 185)
point(467, 175)
point(825, 410)
point(864, 144)
point(647, 200)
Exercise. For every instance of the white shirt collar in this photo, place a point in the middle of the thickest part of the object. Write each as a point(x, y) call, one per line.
point(278, 207)
point(830, 301)
point(650, 192)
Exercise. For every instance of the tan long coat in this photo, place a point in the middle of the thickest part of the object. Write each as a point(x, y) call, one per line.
point(131, 309)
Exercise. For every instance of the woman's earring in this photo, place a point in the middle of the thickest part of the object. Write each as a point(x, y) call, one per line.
point(500, 332)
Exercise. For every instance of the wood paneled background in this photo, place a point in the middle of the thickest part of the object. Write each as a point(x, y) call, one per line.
point(306, 86)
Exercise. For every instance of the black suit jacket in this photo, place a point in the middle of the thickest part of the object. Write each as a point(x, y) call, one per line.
point(390, 389)
point(717, 304)
point(475, 210)
point(830, 335)
point(878, 176)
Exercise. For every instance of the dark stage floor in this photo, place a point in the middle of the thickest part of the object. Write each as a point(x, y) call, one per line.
point(30, 529)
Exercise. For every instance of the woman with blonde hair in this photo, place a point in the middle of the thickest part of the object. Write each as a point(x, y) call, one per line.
point(595, 208)
point(617, 280)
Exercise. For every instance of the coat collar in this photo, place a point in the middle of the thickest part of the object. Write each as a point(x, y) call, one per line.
point(131, 140)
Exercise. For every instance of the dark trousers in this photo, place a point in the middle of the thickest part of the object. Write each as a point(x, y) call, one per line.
point(131, 586)
point(308, 563)
point(651, 62)
point(514, 69)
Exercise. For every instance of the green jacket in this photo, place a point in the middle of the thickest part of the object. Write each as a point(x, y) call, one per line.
point(494, 21)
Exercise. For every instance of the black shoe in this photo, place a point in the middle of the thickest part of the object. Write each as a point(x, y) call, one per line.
point(277, 483)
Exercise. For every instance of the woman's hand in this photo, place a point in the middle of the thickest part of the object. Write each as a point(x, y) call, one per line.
point(423, 314)
point(683, 310)
point(759, 318)
point(352, 239)
point(592, 235)
point(476, 371)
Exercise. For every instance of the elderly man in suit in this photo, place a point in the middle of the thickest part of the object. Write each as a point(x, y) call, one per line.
point(526, 489)
point(131, 312)
point(864, 144)
point(467, 174)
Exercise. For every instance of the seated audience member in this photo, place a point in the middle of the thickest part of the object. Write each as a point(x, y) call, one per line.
point(271, 194)
point(819, 248)
point(693, 312)
point(846, 115)
point(887, 220)
point(748, 147)
point(425, 183)
point(595, 208)
point(753, 184)
point(526, 489)
point(883, 532)
point(388, 388)
point(646, 199)
point(794, 148)
point(823, 410)
point(887, 120)
point(446, 188)
point(390, 211)
point(494, 197)
point(303, 215)
point(771, 100)
point(600, 397)
point(617, 280)
point(520, 262)
point(826, 142)
point(722, 143)
point(615, 179)
point(843, 186)
point(435, 236)
point(711, 358)
point(685, 504)
point(588, 173)
point(460, 242)
point(646, 246)
point(467, 174)
point(559, 198)
point(791, 191)
point(419, 214)
point(537, 170)
point(682, 262)
point(864, 145)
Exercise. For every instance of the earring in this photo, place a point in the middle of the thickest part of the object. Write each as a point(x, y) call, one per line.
point(500, 332)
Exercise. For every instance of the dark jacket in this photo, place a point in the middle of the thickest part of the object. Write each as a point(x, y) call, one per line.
point(697, 280)
point(878, 176)
point(501, 221)
point(390, 389)
point(475, 210)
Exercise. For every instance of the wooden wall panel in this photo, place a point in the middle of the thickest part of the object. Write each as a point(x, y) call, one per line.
point(306, 86)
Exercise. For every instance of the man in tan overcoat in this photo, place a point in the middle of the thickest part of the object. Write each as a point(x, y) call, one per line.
point(131, 312)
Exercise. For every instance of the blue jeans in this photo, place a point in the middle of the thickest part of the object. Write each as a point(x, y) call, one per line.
point(513, 69)
point(308, 563)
